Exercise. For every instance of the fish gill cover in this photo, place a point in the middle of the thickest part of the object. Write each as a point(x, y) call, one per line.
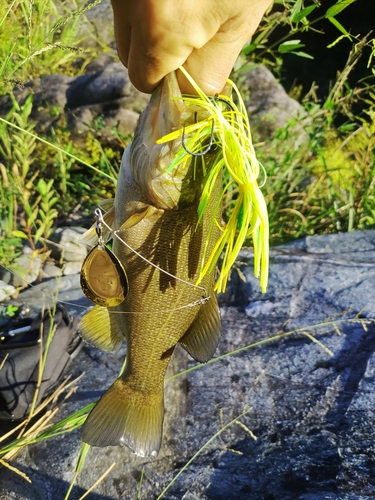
point(225, 125)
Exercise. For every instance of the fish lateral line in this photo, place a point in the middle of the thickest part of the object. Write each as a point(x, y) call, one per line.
point(203, 300)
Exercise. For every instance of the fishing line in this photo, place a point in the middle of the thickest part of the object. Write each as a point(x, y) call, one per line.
point(100, 221)
point(99, 216)
point(194, 303)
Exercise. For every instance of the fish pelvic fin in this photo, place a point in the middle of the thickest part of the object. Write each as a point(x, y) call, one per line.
point(102, 329)
point(202, 337)
point(125, 416)
point(90, 237)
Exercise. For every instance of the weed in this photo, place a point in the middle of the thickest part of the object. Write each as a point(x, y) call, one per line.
point(35, 35)
point(289, 17)
point(325, 184)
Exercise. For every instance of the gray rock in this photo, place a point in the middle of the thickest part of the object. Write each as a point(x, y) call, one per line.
point(269, 106)
point(113, 114)
point(6, 291)
point(311, 412)
point(99, 31)
point(72, 267)
point(50, 270)
point(105, 95)
point(49, 99)
point(108, 84)
point(65, 244)
point(27, 269)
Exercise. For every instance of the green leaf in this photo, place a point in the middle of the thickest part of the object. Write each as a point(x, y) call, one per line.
point(42, 187)
point(302, 54)
point(20, 234)
point(340, 27)
point(39, 233)
point(290, 45)
point(338, 7)
point(296, 8)
point(249, 48)
point(52, 201)
point(303, 13)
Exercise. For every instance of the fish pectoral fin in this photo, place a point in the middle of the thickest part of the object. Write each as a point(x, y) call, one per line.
point(90, 237)
point(124, 416)
point(100, 328)
point(147, 212)
point(202, 337)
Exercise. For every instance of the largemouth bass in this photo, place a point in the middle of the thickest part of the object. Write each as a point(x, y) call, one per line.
point(155, 216)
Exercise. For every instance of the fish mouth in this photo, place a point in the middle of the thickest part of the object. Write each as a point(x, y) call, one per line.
point(150, 161)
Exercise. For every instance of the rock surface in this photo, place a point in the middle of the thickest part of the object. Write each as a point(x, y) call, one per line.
point(270, 107)
point(312, 412)
point(103, 99)
point(103, 95)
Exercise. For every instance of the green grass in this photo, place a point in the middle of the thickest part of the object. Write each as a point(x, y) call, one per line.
point(36, 35)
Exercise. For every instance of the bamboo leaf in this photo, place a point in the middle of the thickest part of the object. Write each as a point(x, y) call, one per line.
point(338, 7)
point(302, 54)
point(296, 9)
point(340, 27)
point(303, 13)
point(290, 45)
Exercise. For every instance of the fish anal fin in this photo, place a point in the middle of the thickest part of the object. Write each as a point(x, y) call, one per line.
point(124, 416)
point(101, 328)
point(202, 337)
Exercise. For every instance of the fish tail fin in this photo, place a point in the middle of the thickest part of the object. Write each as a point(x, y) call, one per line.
point(124, 416)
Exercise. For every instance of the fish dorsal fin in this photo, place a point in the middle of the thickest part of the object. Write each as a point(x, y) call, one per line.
point(90, 237)
point(202, 337)
point(107, 204)
point(101, 329)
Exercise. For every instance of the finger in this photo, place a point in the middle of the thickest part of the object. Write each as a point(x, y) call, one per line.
point(163, 40)
point(148, 63)
point(122, 25)
point(211, 65)
point(148, 67)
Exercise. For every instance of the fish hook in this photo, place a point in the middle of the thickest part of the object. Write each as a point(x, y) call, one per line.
point(216, 98)
point(202, 153)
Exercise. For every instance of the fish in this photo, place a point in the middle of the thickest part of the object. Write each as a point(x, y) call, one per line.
point(161, 243)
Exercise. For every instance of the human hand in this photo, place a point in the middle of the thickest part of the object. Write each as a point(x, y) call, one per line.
point(154, 37)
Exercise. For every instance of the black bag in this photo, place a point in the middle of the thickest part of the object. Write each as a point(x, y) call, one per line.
point(19, 374)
